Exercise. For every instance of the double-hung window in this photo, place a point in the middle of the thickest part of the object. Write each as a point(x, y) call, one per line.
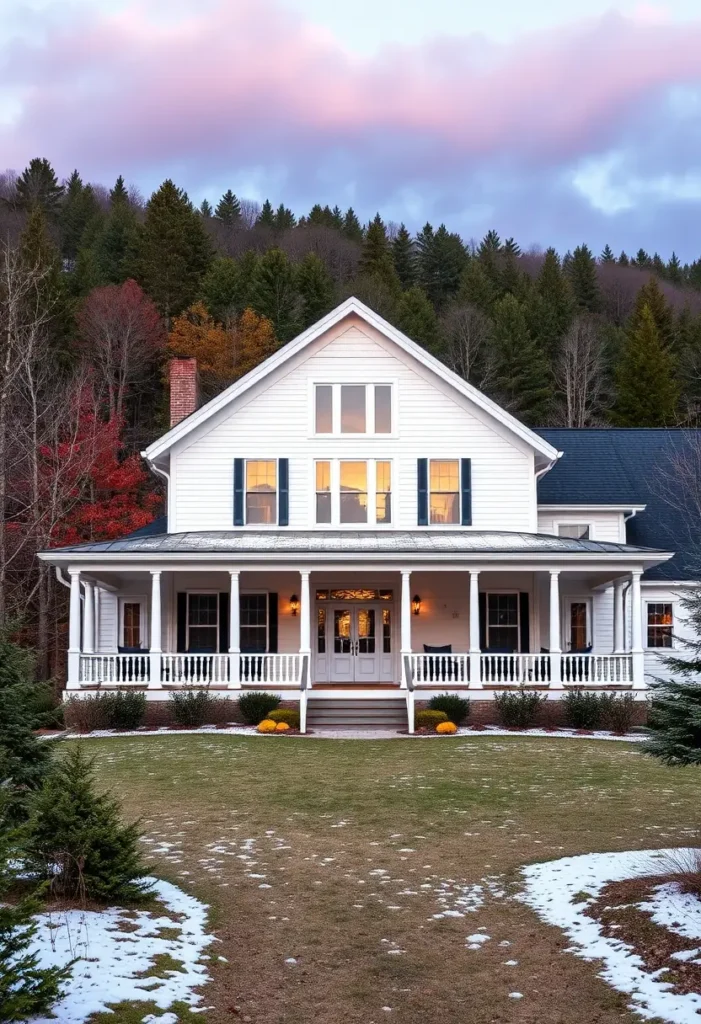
point(444, 491)
point(261, 491)
point(353, 491)
point(254, 623)
point(203, 623)
point(353, 409)
point(502, 622)
point(660, 625)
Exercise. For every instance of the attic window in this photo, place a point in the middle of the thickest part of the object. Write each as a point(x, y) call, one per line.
point(574, 531)
point(342, 409)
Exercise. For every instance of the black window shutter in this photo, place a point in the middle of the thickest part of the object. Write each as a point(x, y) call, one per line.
point(483, 621)
point(283, 488)
point(223, 622)
point(238, 492)
point(272, 623)
point(466, 488)
point(422, 491)
point(524, 623)
point(182, 623)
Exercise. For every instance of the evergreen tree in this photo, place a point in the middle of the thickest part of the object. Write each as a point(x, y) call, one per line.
point(522, 379)
point(416, 317)
point(39, 254)
point(315, 287)
point(607, 255)
point(75, 836)
point(266, 217)
point(512, 248)
point(476, 288)
point(441, 259)
point(322, 217)
point(284, 218)
point(23, 757)
point(646, 389)
point(274, 293)
point(221, 290)
point(38, 185)
point(352, 227)
point(205, 209)
point(550, 306)
point(404, 257)
point(641, 259)
point(581, 271)
point(337, 218)
point(119, 193)
point(658, 265)
point(112, 257)
point(489, 256)
point(623, 260)
point(674, 271)
point(228, 209)
point(175, 251)
point(652, 297)
point(376, 256)
point(78, 208)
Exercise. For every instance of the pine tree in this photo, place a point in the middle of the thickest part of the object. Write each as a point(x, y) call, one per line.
point(416, 317)
point(376, 256)
point(274, 293)
point(512, 248)
point(646, 390)
point(623, 260)
point(607, 255)
point(674, 270)
point(175, 250)
point(284, 218)
point(550, 306)
point(266, 217)
point(38, 185)
point(337, 218)
point(652, 296)
point(315, 286)
point(39, 254)
point(352, 227)
point(205, 209)
point(441, 259)
point(78, 208)
point(641, 259)
point(228, 209)
point(522, 379)
point(119, 193)
point(24, 758)
point(404, 256)
point(476, 288)
point(581, 271)
point(75, 836)
point(221, 289)
point(114, 252)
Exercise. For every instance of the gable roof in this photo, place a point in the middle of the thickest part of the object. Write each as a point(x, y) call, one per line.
point(607, 466)
point(277, 359)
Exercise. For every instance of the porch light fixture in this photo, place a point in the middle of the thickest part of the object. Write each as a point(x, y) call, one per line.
point(416, 604)
point(294, 604)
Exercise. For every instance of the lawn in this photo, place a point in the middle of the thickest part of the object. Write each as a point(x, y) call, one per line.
point(344, 857)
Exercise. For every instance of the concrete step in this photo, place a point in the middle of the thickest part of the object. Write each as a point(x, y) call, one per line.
point(354, 714)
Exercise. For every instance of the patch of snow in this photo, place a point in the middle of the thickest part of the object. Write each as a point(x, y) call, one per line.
point(111, 959)
point(515, 995)
point(555, 890)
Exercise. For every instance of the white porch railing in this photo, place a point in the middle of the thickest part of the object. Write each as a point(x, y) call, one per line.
point(515, 669)
point(270, 669)
point(439, 669)
point(195, 669)
point(121, 669)
point(431, 670)
point(597, 669)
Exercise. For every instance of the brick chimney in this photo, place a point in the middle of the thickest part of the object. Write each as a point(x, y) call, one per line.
point(182, 375)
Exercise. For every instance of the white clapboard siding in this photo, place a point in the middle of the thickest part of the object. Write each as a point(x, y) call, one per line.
point(603, 525)
point(106, 633)
point(274, 421)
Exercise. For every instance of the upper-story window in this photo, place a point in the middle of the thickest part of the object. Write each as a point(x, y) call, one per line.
point(444, 491)
point(574, 531)
point(261, 491)
point(353, 491)
point(353, 409)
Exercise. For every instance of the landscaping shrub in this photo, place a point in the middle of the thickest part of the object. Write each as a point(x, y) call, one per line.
point(446, 727)
point(618, 712)
point(288, 715)
point(256, 706)
point(75, 837)
point(192, 707)
point(125, 709)
point(24, 759)
point(88, 713)
point(583, 709)
point(518, 710)
point(267, 725)
point(429, 719)
point(456, 708)
point(281, 727)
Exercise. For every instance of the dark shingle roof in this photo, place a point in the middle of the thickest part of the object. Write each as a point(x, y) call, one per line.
point(618, 467)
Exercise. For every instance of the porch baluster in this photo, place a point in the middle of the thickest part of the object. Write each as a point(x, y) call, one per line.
point(154, 679)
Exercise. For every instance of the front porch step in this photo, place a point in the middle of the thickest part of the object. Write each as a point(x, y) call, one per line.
point(357, 714)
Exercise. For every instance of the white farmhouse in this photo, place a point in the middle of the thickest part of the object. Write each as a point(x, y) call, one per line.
point(353, 526)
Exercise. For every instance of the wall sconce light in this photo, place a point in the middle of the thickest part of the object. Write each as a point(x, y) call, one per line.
point(416, 604)
point(294, 604)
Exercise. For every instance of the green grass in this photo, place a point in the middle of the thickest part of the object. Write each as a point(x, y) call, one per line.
point(324, 818)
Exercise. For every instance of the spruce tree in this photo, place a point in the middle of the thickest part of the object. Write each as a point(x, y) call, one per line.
point(652, 296)
point(175, 250)
point(221, 290)
point(441, 259)
point(376, 256)
point(114, 252)
point(581, 270)
point(512, 248)
point(607, 255)
point(416, 317)
point(352, 228)
point(228, 209)
point(24, 759)
point(488, 253)
point(284, 218)
point(674, 272)
point(646, 389)
point(78, 208)
point(337, 218)
point(404, 256)
point(274, 293)
point(315, 287)
point(119, 193)
point(522, 379)
point(75, 836)
point(641, 259)
point(38, 186)
point(205, 209)
point(266, 217)
point(623, 260)
point(476, 287)
point(550, 306)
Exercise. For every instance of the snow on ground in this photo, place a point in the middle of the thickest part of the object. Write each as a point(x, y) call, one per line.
point(560, 891)
point(116, 947)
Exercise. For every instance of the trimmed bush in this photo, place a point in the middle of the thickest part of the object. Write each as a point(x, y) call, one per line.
point(192, 707)
point(88, 713)
point(288, 715)
point(456, 708)
point(267, 725)
point(429, 719)
point(446, 728)
point(518, 710)
point(256, 706)
point(583, 709)
point(619, 712)
point(126, 709)
point(281, 727)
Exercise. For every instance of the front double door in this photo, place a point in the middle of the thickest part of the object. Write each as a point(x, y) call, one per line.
point(361, 644)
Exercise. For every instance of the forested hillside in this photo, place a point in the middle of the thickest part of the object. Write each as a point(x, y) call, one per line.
point(99, 287)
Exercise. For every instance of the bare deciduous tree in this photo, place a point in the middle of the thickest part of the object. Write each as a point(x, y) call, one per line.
point(579, 373)
point(466, 332)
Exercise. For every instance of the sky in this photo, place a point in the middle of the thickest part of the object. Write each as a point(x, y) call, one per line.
point(554, 122)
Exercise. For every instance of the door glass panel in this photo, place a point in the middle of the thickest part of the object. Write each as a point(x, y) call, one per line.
point(132, 624)
point(386, 631)
point(321, 630)
point(352, 408)
point(354, 492)
point(578, 625)
point(342, 631)
point(366, 630)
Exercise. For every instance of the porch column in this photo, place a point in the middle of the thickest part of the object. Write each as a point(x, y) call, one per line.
point(73, 681)
point(305, 643)
point(618, 628)
point(636, 619)
point(405, 620)
point(475, 663)
point(554, 643)
point(88, 618)
point(234, 631)
point(155, 643)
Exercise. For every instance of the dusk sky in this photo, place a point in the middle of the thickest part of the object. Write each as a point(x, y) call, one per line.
point(556, 122)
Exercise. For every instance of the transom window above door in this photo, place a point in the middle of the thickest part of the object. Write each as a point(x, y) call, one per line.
point(351, 491)
point(353, 409)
